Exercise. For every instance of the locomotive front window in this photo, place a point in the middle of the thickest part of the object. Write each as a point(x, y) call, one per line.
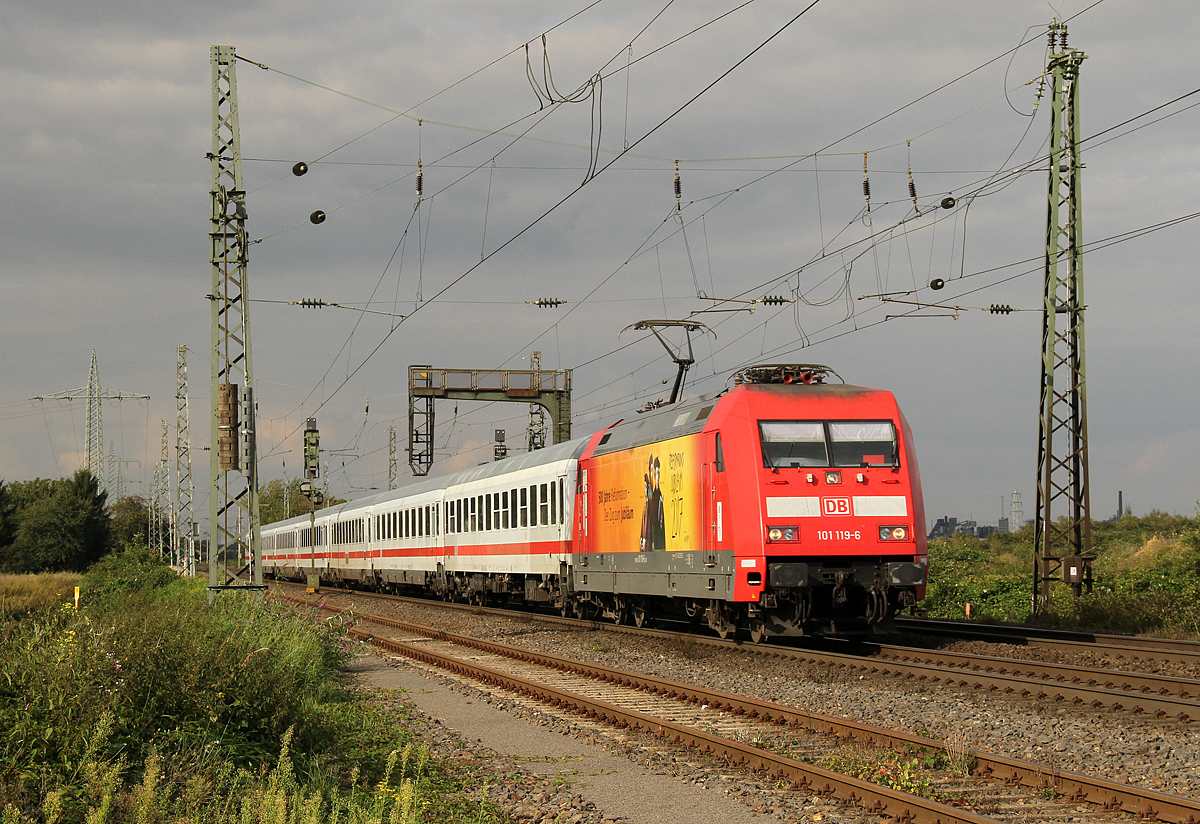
point(793, 443)
point(863, 443)
point(790, 444)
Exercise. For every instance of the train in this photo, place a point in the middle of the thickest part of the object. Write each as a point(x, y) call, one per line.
point(785, 505)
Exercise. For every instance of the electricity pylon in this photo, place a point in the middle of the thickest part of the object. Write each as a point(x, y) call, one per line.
point(233, 519)
point(1063, 548)
point(94, 431)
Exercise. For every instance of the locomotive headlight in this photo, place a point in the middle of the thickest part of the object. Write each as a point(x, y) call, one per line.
point(783, 533)
point(833, 478)
point(893, 533)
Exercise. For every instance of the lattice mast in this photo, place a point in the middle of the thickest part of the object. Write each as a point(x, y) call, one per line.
point(161, 520)
point(94, 432)
point(1063, 548)
point(233, 495)
point(95, 423)
point(391, 457)
point(537, 414)
point(94, 393)
point(185, 490)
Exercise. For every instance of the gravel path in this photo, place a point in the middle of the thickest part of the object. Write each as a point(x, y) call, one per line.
point(542, 769)
point(1162, 755)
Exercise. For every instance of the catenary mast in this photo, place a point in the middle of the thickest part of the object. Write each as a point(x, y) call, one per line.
point(233, 518)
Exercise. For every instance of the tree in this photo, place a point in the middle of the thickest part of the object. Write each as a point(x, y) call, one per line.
point(130, 518)
point(279, 499)
point(61, 525)
point(8, 517)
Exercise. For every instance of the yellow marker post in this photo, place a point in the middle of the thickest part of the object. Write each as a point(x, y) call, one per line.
point(76, 597)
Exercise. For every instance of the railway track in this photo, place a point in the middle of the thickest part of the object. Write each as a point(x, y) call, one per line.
point(1159, 696)
point(780, 741)
point(1132, 647)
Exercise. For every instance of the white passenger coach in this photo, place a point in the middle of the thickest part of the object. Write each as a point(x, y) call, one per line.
point(507, 518)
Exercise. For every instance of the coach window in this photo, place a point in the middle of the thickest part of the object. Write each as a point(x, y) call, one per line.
point(553, 502)
point(513, 507)
point(544, 509)
point(504, 510)
point(793, 443)
point(524, 507)
point(562, 500)
point(863, 443)
point(479, 499)
point(533, 503)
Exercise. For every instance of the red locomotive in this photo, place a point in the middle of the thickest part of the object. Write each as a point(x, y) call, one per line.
point(784, 506)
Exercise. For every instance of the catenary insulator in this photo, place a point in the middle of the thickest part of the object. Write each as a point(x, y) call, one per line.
point(912, 187)
point(936, 283)
point(300, 168)
point(420, 180)
point(948, 202)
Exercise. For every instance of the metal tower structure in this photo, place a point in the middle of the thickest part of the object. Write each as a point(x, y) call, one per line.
point(185, 490)
point(1015, 513)
point(391, 457)
point(159, 509)
point(233, 519)
point(94, 431)
point(1062, 547)
point(537, 413)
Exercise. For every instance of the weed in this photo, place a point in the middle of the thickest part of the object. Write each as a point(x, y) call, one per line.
point(889, 769)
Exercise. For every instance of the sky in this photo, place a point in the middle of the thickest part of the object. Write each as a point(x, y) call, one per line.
point(547, 135)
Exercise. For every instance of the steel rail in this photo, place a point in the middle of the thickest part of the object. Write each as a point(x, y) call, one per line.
point(872, 798)
point(1038, 687)
point(1110, 795)
point(1139, 647)
point(1118, 680)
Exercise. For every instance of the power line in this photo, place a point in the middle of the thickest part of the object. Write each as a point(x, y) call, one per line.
point(567, 197)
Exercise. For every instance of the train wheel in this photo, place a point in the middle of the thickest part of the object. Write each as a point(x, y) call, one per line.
point(758, 630)
point(638, 612)
point(721, 620)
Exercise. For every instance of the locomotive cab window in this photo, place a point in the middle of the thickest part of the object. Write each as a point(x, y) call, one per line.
point(793, 443)
point(790, 444)
point(863, 443)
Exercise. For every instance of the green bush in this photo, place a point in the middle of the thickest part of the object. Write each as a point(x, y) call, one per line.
point(158, 670)
point(1146, 578)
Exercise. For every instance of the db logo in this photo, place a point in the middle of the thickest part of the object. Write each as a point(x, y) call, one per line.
point(835, 506)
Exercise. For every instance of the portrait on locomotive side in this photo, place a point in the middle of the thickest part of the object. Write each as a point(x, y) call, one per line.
point(654, 522)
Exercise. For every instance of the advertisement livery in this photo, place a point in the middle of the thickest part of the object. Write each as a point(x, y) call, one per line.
point(647, 498)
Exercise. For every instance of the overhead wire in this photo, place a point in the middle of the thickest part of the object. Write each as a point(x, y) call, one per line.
point(570, 194)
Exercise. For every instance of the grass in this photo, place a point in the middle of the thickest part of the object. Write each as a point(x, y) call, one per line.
point(25, 595)
point(149, 705)
point(1146, 578)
